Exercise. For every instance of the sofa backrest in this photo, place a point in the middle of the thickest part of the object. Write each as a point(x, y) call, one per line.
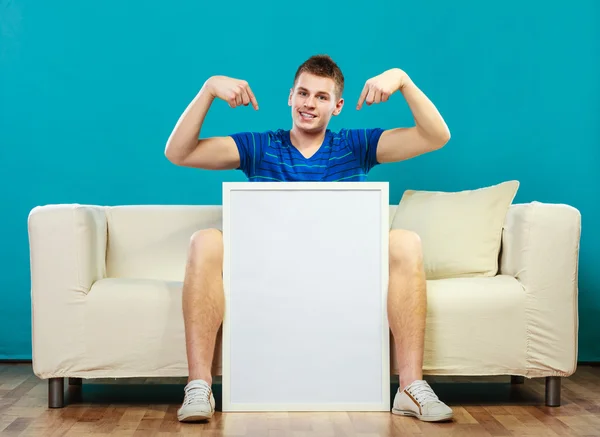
point(152, 241)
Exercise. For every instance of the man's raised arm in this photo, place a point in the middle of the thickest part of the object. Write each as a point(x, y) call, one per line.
point(184, 147)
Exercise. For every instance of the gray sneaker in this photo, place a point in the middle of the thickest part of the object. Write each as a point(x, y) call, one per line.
point(199, 402)
point(419, 400)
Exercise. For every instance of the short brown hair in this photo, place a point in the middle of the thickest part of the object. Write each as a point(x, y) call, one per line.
point(324, 66)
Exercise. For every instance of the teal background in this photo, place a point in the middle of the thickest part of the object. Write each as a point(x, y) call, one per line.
point(89, 93)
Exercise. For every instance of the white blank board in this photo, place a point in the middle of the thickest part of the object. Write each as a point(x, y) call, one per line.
point(305, 275)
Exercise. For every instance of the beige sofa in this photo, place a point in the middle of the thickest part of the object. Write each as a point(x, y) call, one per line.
point(106, 296)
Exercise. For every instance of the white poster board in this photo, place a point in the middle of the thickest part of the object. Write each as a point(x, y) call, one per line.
point(305, 277)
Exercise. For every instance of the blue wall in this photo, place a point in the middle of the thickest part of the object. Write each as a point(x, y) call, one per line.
point(89, 93)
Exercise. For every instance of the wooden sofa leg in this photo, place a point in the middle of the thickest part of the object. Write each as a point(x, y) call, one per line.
point(553, 391)
point(517, 379)
point(56, 392)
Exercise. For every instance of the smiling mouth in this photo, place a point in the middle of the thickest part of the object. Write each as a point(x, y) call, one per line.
point(307, 116)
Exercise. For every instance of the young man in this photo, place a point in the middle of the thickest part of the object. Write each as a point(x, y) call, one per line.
point(308, 152)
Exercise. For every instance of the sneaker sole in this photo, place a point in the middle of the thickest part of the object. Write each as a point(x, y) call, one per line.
point(197, 417)
point(421, 417)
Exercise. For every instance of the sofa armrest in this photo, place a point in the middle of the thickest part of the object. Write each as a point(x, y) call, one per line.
point(540, 248)
point(67, 254)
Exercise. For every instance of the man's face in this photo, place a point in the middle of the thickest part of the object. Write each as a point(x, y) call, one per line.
point(314, 101)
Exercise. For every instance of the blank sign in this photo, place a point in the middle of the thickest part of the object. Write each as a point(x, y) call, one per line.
point(305, 277)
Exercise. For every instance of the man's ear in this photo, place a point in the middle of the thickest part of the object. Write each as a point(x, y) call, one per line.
point(290, 97)
point(338, 107)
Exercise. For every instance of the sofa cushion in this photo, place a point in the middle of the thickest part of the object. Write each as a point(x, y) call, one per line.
point(461, 232)
point(475, 324)
point(134, 328)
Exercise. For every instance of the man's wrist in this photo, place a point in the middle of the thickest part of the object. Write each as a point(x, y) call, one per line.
point(406, 83)
point(208, 89)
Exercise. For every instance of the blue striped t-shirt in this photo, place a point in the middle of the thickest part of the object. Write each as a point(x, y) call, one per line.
point(347, 155)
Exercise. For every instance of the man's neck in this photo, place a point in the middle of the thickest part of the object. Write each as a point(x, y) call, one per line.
point(306, 140)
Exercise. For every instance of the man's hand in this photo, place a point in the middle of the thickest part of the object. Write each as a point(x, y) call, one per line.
point(234, 91)
point(379, 88)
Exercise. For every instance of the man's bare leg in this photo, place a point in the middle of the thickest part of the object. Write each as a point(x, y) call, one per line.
point(203, 301)
point(203, 311)
point(407, 311)
point(407, 304)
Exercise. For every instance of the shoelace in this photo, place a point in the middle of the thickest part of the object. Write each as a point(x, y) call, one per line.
point(196, 394)
point(423, 393)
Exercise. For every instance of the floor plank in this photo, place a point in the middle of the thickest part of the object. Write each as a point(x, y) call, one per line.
point(489, 406)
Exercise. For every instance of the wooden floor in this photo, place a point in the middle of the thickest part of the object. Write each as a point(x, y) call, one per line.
point(482, 406)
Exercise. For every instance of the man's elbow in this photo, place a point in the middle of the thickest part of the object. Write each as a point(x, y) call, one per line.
point(169, 155)
point(435, 139)
point(440, 140)
point(172, 157)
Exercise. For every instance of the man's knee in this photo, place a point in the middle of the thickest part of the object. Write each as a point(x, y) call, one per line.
point(207, 245)
point(405, 247)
